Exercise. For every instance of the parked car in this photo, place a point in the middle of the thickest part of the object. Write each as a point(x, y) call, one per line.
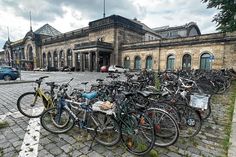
point(117, 68)
point(42, 69)
point(104, 69)
point(67, 69)
point(8, 73)
point(36, 69)
point(51, 69)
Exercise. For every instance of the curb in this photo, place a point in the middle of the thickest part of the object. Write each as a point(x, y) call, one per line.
point(232, 140)
point(15, 82)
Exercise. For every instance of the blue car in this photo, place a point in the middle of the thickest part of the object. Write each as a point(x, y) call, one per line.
point(8, 73)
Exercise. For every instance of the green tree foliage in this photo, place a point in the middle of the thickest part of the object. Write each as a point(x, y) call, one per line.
point(226, 18)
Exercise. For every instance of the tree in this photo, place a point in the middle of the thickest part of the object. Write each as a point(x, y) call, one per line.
point(226, 18)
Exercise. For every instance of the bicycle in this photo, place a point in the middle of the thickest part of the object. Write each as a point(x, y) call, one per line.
point(32, 104)
point(137, 129)
point(101, 125)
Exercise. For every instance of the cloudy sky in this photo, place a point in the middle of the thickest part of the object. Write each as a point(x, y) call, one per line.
point(66, 15)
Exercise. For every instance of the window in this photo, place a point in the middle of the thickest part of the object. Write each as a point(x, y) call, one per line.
point(137, 63)
point(127, 62)
point(149, 62)
point(44, 59)
point(55, 59)
point(170, 62)
point(186, 64)
point(61, 58)
point(49, 60)
point(205, 61)
point(69, 58)
point(31, 56)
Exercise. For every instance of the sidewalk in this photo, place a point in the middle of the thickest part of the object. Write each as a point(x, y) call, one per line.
point(232, 147)
point(15, 82)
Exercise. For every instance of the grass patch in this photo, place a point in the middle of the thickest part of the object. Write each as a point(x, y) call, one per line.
point(153, 153)
point(230, 112)
point(3, 124)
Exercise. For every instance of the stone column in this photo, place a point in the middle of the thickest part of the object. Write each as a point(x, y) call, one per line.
point(90, 61)
point(76, 61)
point(58, 60)
point(52, 61)
point(97, 61)
point(81, 62)
point(73, 57)
point(65, 59)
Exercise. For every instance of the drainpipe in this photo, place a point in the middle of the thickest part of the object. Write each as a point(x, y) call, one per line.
point(159, 58)
point(223, 66)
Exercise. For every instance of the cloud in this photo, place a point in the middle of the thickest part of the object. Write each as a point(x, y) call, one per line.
point(42, 10)
point(174, 13)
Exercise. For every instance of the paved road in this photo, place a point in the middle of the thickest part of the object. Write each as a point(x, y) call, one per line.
point(76, 142)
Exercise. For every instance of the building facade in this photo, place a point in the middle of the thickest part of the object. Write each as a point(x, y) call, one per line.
point(121, 41)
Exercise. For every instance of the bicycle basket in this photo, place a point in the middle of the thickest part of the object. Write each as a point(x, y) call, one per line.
point(199, 101)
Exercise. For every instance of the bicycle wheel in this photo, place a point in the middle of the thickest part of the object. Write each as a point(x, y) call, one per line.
point(190, 120)
point(166, 127)
point(30, 105)
point(56, 121)
point(167, 107)
point(107, 132)
point(138, 135)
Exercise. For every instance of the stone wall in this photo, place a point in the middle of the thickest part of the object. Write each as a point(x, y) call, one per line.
point(143, 53)
point(221, 46)
point(62, 46)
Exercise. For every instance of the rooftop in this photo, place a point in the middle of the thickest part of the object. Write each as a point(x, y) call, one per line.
point(168, 28)
point(47, 30)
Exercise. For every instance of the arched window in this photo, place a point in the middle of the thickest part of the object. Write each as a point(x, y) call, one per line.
point(49, 60)
point(44, 59)
point(31, 56)
point(55, 59)
point(127, 62)
point(170, 62)
point(137, 63)
point(205, 61)
point(149, 63)
point(69, 58)
point(62, 58)
point(186, 63)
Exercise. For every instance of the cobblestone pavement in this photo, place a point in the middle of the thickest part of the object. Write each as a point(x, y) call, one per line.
point(76, 142)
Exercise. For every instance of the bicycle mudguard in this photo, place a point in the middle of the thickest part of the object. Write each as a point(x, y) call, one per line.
point(90, 95)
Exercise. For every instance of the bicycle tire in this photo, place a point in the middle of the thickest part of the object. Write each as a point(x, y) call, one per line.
point(110, 128)
point(166, 127)
point(191, 122)
point(53, 116)
point(136, 122)
point(29, 105)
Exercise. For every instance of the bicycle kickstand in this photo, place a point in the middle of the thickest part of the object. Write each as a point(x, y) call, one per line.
point(93, 139)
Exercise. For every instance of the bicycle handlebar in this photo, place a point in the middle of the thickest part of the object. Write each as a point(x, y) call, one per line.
point(43, 77)
point(39, 81)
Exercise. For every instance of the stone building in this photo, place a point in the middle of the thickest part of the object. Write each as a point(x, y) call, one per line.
point(2, 58)
point(122, 41)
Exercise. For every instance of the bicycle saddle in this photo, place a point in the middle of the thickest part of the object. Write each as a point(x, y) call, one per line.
point(50, 83)
point(147, 93)
point(127, 94)
point(84, 83)
point(99, 80)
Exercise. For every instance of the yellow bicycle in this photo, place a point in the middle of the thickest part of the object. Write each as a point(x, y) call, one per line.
point(32, 104)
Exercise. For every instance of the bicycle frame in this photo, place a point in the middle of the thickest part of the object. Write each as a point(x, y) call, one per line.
point(49, 102)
